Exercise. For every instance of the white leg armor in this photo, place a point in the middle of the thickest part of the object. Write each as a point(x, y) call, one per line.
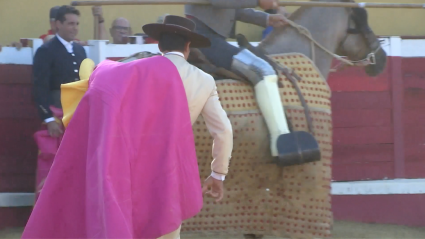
point(264, 78)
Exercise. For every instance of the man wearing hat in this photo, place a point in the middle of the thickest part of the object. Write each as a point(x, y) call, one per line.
point(217, 22)
point(127, 164)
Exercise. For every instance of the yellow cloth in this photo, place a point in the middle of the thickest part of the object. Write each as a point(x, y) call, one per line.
point(72, 93)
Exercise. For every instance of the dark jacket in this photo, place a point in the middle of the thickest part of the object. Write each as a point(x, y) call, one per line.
point(54, 65)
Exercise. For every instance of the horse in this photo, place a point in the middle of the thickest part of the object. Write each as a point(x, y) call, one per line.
point(262, 198)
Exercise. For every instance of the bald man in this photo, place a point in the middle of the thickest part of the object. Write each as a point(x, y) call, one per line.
point(120, 27)
point(119, 30)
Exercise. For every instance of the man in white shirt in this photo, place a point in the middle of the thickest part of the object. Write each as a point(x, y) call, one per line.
point(201, 93)
point(175, 37)
point(56, 62)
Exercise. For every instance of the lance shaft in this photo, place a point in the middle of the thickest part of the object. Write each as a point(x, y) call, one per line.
point(281, 3)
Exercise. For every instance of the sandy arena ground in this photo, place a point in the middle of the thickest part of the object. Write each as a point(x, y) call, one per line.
point(346, 230)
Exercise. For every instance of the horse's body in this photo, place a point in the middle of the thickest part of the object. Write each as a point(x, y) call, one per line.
point(328, 27)
point(263, 198)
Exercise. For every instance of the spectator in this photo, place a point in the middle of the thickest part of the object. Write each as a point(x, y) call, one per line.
point(52, 17)
point(119, 30)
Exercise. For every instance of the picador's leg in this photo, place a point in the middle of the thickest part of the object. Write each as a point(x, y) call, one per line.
point(264, 79)
point(257, 71)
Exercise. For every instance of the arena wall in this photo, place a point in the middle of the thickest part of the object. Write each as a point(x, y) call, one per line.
point(379, 135)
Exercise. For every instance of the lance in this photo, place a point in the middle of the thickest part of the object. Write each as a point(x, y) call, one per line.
point(281, 3)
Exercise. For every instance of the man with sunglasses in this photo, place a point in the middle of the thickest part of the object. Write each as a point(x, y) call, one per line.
point(120, 27)
point(119, 30)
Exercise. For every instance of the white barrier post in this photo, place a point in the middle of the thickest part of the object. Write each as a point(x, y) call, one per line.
point(35, 43)
point(395, 46)
point(97, 50)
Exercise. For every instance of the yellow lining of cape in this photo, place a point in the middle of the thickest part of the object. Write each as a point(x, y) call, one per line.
point(72, 93)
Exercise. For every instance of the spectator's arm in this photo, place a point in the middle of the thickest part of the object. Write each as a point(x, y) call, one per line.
point(102, 34)
point(18, 45)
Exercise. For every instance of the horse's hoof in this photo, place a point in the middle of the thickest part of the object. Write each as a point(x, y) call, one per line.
point(252, 236)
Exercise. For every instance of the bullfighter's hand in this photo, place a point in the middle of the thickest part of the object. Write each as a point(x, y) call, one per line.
point(214, 188)
point(268, 4)
point(277, 20)
point(54, 129)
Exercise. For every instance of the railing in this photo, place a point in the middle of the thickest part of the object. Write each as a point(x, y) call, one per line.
point(396, 47)
point(99, 50)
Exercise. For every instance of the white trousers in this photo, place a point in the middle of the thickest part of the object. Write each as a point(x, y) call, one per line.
point(172, 235)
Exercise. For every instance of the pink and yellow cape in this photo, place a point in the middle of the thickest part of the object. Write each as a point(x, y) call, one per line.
point(126, 167)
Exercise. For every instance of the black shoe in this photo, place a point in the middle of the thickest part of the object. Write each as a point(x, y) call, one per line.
point(297, 148)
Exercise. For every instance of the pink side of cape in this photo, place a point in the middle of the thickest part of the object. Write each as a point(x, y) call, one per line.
point(47, 146)
point(126, 167)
